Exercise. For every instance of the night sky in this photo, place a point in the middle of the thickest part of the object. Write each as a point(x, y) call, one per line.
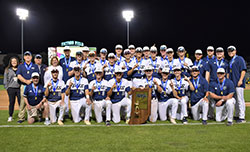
point(193, 24)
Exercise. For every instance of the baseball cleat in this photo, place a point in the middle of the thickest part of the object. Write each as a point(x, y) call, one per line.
point(87, 122)
point(60, 123)
point(47, 122)
point(185, 121)
point(241, 121)
point(172, 121)
point(20, 121)
point(204, 122)
point(9, 119)
point(127, 120)
point(108, 123)
point(229, 123)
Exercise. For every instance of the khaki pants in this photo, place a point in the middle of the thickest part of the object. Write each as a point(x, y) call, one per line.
point(21, 114)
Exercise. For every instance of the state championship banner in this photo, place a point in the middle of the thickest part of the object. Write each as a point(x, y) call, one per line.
point(58, 51)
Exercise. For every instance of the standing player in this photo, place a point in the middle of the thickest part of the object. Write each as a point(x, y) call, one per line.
point(182, 86)
point(155, 62)
point(78, 91)
point(118, 88)
point(199, 62)
point(137, 67)
point(127, 64)
point(23, 73)
point(184, 62)
point(237, 71)
point(35, 100)
point(65, 64)
point(146, 53)
point(78, 62)
point(165, 99)
point(99, 88)
point(199, 101)
point(163, 50)
point(118, 51)
point(222, 92)
point(210, 54)
point(132, 51)
point(54, 92)
point(85, 51)
point(103, 54)
point(90, 66)
point(170, 62)
point(109, 69)
point(151, 82)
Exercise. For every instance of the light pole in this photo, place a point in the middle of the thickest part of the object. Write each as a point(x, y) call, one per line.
point(23, 14)
point(128, 15)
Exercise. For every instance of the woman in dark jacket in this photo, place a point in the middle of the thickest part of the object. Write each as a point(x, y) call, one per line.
point(12, 85)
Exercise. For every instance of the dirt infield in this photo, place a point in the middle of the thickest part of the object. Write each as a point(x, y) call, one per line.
point(4, 100)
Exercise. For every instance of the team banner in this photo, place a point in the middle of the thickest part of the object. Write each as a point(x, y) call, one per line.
point(141, 105)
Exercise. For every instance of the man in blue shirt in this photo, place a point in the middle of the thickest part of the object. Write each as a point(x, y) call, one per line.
point(222, 92)
point(237, 71)
point(200, 63)
point(42, 67)
point(23, 73)
point(35, 100)
point(210, 54)
point(199, 101)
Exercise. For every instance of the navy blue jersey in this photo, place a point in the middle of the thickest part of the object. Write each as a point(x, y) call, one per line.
point(128, 66)
point(236, 66)
point(26, 71)
point(56, 90)
point(214, 64)
point(101, 89)
point(206, 59)
point(118, 93)
point(90, 70)
point(220, 90)
point(77, 90)
point(202, 67)
point(34, 96)
point(138, 72)
point(165, 94)
point(201, 88)
point(65, 66)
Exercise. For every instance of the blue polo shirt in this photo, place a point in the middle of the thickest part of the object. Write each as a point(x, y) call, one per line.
point(207, 59)
point(66, 68)
point(238, 65)
point(201, 88)
point(26, 72)
point(202, 67)
point(212, 68)
point(228, 88)
point(30, 94)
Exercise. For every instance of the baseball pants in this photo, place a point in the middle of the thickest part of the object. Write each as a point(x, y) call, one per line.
point(225, 111)
point(211, 107)
point(201, 106)
point(52, 110)
point(98, 106)
point(183, 108)
point(21, 113)
point(116, 109)
point(240, 106)
point(154, 109)
point(66, 100)
point(163, 106)
point(75, 109)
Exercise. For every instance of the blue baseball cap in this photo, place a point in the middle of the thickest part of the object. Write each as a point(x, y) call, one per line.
point(27, 53)
point(103, 50)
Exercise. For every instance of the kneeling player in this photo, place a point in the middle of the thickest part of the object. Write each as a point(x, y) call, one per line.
point(182, 86)
point(199, 101)
point(118, 88)
point(77, 88)
point(54, 92)
point(165, 100)
point(35, 100)
point(99, 89)
point(222, 92)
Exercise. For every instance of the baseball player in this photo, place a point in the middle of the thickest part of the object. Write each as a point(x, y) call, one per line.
point(54, 92)
point(210, 54)
point(165, 99)
point(103, 54)
point(99, 88)
point(198, 97)
point(109, 68)
point(163, 49)
point(199, 62)
point(146, 53)
point(182, 86)
point(118, 87)
point(151, 82)
point(85, 53)
point(118, 51)
point(170, 62)
point(155, 62)
point(184, 62)
point(222, 92)
point(237, 71)
point(90, 66)
point(78, 62)
point(132, 51)
point(78, 91)
point(137, 67)
point(35, 100)
point(127, 64)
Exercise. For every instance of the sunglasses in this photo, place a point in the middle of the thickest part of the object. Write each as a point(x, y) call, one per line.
point(118, 73)
point(111, 57)
point(54, 71)
point(77, 69)
point(153, 52)
point(195, 70)
point(148, 70)
point(177, 70)
point(165, 73)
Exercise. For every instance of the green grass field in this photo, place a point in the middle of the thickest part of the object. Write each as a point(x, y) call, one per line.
point(160, 137)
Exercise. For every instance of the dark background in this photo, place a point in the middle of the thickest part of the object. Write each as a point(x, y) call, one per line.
point(193, 24)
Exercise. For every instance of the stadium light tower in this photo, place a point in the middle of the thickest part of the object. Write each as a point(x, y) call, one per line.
point(23, 14)
point(128, 15)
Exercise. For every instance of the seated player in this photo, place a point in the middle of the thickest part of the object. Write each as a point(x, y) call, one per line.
point(165, 99)
point(78, 91)
point(54, 91)
point(35, 100)
point(182, 86)
point(222, 92)
point(99, 88)
point(118, 88)
point(199, 101)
